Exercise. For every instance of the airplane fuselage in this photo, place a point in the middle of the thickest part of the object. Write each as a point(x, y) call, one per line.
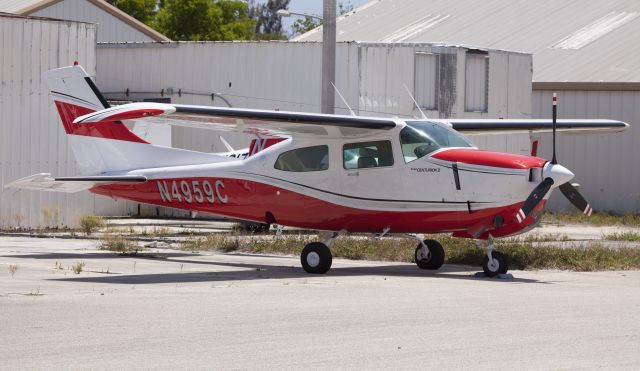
point(454, 189)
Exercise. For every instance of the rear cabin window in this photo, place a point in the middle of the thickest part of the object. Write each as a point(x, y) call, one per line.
point(314, 158)
point(367, 154)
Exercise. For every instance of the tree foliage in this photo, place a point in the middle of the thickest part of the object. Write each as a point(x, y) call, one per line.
point(142, 10)
point(199, 20)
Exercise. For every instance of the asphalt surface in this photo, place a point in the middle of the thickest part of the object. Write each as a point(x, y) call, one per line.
point(218, 311)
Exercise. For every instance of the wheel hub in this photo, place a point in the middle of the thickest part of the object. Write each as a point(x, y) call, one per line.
point(313, 259)
point(424, 255)
point(493, 265)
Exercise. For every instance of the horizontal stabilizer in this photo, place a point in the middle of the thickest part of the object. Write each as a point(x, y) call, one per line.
point(130, 111)
point(45, 182)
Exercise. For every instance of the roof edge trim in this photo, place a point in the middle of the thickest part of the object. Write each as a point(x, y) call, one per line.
point(592, 86)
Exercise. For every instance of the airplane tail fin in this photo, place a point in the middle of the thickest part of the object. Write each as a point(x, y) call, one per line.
point(104, 146)
point(75, 95)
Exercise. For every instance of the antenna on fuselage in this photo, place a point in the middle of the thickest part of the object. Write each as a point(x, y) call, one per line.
point(226, 144)
point(415, 102)
point(343, 100)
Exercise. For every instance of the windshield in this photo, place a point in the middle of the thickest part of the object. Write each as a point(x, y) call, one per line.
point(419, 138)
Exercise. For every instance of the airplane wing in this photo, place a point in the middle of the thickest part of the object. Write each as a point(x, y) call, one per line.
point(283, 123)
point(261, 122)
point(471, 126)
point(45, 182)
point(276, 123)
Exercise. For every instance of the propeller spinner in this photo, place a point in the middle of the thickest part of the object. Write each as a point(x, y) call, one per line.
point(554, 174)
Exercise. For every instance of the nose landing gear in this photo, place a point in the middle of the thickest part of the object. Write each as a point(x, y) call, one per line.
point(495, 262)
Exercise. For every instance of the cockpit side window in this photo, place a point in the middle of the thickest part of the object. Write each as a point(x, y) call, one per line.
point(314, 158)
point(367, 154)
point(419, 139)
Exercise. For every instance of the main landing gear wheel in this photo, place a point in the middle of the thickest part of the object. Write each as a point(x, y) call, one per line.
point(498, 265)
point(316, 258)
point(433, 258)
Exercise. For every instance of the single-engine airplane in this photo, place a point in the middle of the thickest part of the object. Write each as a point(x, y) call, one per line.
point(332, 173)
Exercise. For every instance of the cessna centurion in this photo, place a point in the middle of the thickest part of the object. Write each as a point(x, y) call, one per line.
point(333, 173)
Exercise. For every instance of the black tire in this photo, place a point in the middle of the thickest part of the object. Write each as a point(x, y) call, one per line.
point(434, 260)
point(316, 258)
point(502, 268)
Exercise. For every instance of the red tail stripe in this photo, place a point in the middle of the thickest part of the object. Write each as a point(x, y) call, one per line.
point(106, 129)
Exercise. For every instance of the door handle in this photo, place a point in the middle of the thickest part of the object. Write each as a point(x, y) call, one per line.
point(355, 173)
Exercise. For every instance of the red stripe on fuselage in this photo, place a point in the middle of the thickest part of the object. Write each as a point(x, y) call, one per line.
point(490, 158)
point(108, 130)
point(251, 200)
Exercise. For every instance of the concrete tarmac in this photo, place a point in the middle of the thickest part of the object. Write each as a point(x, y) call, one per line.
point(177, 310)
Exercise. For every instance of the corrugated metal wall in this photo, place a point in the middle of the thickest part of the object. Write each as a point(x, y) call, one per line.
point(282, 75)
point(32, 139)
point(606, 165)
point(110, 28)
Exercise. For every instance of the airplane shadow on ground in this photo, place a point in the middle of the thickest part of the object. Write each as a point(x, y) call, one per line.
point(252, 271)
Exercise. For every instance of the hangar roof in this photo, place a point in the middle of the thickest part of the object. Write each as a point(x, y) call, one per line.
point(584, 41)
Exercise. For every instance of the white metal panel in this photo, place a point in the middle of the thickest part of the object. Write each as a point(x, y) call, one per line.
point(606, 165)
point(426, 79)
point(110, 28)
point(32, 139)
point(476, 69)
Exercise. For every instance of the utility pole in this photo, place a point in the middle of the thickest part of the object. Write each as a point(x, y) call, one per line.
point(328, 55)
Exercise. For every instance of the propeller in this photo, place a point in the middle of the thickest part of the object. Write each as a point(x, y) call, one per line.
point(534, 199)
point(572, 194)
point(558, 172)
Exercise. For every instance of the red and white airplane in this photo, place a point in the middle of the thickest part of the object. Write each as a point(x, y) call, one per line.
point(332, 173)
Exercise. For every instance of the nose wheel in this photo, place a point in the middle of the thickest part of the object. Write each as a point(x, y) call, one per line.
point(429, 255)
point(495, 262)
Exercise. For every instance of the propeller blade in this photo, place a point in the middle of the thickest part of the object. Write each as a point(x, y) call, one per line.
point(572, 194)
point(534, 199)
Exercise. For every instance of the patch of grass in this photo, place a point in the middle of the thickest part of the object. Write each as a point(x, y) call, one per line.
point(13, 268)
point(91, 223)
point(51, 216)
point(622, 236)
point(218, 242)
point(156, 232)
point(597, 219)
point(536, 237)
point(523, 253)
point(78, 267)
point(35, 292)
point(120, 244)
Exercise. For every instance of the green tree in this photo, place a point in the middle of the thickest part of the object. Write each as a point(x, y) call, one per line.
point(235, 22)
point(142, 10)
point(199, 20)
